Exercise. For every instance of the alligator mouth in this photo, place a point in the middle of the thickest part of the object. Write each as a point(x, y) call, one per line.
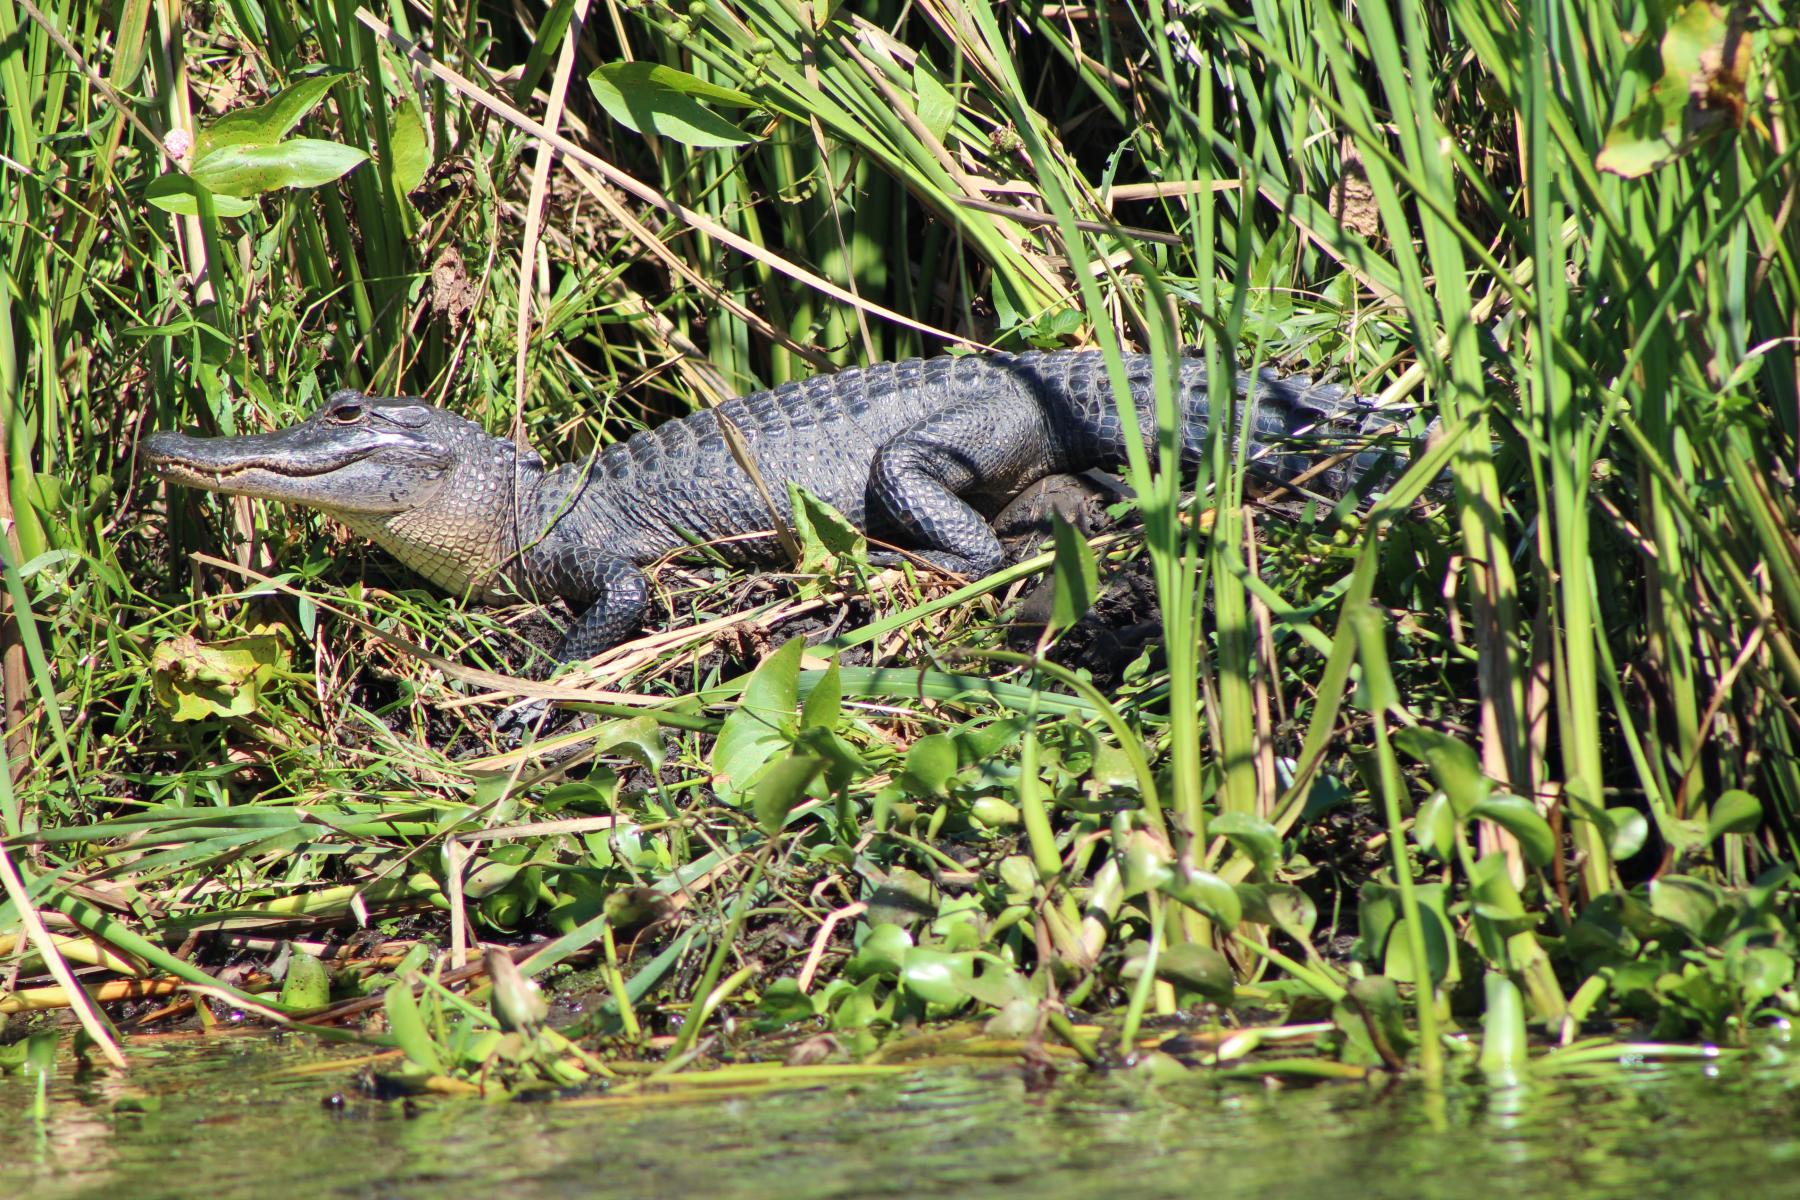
point(184, 459)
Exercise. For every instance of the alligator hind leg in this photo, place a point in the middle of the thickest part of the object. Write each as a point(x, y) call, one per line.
point(989, 444)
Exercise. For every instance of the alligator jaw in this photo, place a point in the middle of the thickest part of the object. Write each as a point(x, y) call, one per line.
point(376, 466)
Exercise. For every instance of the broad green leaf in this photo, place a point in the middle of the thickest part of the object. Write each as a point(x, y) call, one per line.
point(1253, 836)
point(939, 978)
point(1399, 960)
point(1626, 832)
point(827, 538)
point(882, 953)
point(1520, 817)
point(307, 985)
point(937, 107)
point(761, 726)
point(1698, 94)
point(1764, 971)
point(1206, 894)
point(1434, 826)
point(407, 1025)
point(653, 99)
point(1734, 812)
point(266, 123)
point(176, 193)
point(825, 702)
point(297, 162)
point(1198, 969)
point(1280, 905)
point(779, 788)
point(1076, 578)
point(195, 679)
point(930, 764)
point(783, 1003)
point(1687, 903)
point(411, 153)
point(1453, 765)
point(638, 737)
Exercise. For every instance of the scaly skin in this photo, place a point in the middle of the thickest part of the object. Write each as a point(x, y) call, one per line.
point(912, 452)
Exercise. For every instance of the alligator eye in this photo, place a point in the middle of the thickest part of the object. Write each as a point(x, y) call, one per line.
point(346, 414)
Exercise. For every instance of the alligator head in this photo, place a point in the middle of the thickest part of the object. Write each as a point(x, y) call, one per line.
point(435, 490)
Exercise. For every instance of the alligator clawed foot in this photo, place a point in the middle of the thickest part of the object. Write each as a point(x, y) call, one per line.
point(522, 719)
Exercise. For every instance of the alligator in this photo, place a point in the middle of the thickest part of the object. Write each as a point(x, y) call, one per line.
point(915, 453)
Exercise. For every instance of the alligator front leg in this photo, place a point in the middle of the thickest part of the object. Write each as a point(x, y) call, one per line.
point(609, 596)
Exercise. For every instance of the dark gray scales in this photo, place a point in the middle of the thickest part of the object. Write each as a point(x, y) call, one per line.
point(917, 453)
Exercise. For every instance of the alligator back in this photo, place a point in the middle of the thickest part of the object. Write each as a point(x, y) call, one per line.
point(998, 422)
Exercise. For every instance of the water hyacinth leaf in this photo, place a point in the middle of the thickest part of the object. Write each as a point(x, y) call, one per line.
point(761, 726)
point(1206, 894)
point(937, 107)
point(407, 1025)
point(904, 898)
point(1197, 968)
point(266, 123)
point(783, 1003)
point(1254, 837)
point(1076, 576)
point(636, 737)
point(1764, 971)
point(307, 985)
point(411, 152)
point(1686, 902)
point(1627, 830)
point(653, 99)
point(1733, 812)
point(1505, 1048)
point(1452, 763)
point(930, 764)
point(1520, 817)
point(296, 163)
point(1279, 905)
point(176, 193)
point(1398, 963)
point(780, 788)
point(882, 953)
point(939, 978)
point(1434, 826)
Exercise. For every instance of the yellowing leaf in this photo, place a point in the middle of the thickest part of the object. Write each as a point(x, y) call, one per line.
point(195, 680)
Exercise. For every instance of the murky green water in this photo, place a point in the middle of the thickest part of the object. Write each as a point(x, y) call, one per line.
point(228, 1124)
